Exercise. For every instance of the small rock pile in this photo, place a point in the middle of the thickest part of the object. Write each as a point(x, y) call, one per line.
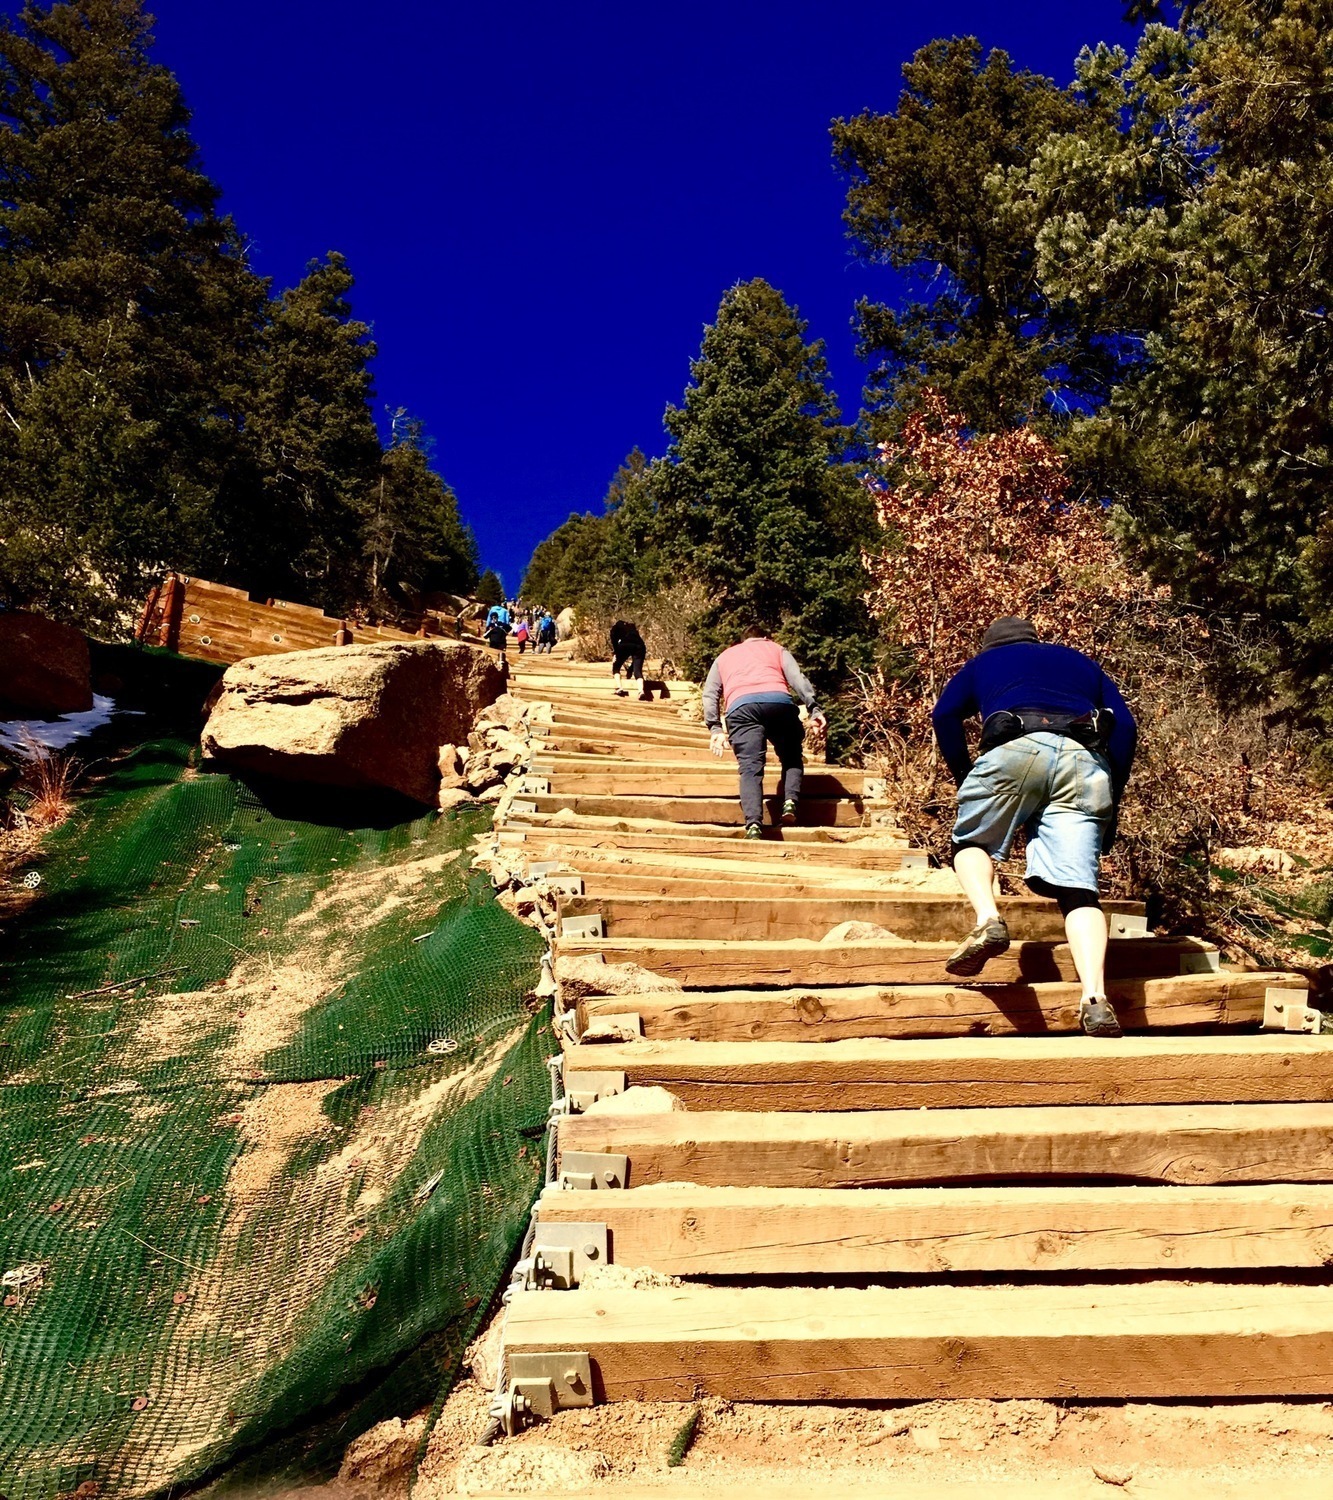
point(499, 748)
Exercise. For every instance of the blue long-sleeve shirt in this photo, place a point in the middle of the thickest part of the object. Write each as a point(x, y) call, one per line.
point(1037, 677)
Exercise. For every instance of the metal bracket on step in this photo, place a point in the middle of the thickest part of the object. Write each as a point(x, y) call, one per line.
point(1201, 963)
point(1286, 1010)
point(561, 1253)
point(568, 1026)
point(586, 1171)
point(567, 885)
point(539, 869)
point(583, 1089)
point(913, 860)
point(521, 805)
point(542, 768)
point(535, 786)
point(1129, 925)
point(541, 1385)
point(540, 730)
point(583, 927)
point(875, 789)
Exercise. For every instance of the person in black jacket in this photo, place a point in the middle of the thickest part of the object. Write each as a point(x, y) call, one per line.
point(1057, 744)
point(630, 653)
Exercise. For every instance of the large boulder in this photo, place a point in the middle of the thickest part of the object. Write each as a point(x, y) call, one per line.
point(364, 717)
point(44, 668)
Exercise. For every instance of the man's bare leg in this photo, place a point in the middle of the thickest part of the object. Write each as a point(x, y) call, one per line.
point(979, 879)
point(1085, 927)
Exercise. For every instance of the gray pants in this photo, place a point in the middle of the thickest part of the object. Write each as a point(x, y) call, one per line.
point(751, 728)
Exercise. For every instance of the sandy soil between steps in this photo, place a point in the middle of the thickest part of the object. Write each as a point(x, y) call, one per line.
point(1130, 1448)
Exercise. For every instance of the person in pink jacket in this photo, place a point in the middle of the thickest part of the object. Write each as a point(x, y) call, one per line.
point(753, 683)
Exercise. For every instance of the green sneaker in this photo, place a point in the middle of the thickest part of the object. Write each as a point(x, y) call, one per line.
point(789, 811)
point(753, 831)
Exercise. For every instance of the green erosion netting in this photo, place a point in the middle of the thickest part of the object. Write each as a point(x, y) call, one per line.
point(271, 1105)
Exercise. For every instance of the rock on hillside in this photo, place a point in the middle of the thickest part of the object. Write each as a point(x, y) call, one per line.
point(363, 717)
point(44, 667)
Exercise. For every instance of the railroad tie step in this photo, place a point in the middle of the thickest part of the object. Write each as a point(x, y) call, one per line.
point(1187, 1144)
point(972, 1072)
point(1153, 1340)
point(681, 1229)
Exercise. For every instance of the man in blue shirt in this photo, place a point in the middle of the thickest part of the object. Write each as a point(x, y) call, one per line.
point(1057, 743)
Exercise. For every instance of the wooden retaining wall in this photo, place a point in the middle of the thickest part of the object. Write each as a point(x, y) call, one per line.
point(215, 623)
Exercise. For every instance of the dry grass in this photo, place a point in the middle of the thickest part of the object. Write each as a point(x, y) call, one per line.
point(49, 778)
point(41, 799)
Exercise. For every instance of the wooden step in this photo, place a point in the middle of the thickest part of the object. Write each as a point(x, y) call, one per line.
point(928, 918)
point(1111, 1341)
point(805, 846)
point(1187, 1144)
point(684, 1230)
point(973, 1072)
point(662, 740)
point(929, 1010)
point(669, 773)
point(650, 780)
point(591, 744)
point(816, 812)
point(614, 880)
point(755, 964)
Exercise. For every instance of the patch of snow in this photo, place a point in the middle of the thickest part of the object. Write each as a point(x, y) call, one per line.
point(57, 734)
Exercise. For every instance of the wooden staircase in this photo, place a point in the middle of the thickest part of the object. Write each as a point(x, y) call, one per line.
point(1035, 1213)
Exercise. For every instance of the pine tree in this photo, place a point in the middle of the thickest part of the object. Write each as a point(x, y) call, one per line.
point(127, 315)
point(414, 540)
point(489, 588)
point(1196, 224)
point(315, 447)
point(926, 197)
point(754, 500)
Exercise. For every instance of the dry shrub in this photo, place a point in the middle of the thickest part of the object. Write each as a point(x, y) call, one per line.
point(979, 527)
point(666, 621)
point(48, 778)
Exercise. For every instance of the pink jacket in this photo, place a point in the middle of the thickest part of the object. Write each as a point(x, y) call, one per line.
point(757, 668)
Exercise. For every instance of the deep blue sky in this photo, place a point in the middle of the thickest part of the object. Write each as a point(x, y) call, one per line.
point(543, 203)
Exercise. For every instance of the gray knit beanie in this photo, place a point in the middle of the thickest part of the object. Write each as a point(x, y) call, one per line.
point(1009, 631)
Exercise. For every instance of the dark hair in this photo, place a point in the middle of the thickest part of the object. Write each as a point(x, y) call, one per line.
point(754, 631)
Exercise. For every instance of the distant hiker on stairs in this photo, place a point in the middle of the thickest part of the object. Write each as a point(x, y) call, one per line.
point(1057, 743)
point(754, 682)
point(630, 655)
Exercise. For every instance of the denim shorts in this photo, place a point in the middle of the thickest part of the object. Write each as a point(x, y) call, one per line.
point(1053, 788)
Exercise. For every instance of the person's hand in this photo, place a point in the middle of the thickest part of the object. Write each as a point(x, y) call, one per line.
point(717, 743)
point(818, 720)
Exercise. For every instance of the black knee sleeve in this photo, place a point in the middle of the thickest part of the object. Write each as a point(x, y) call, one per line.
point(956, 849)
point(1068, 898)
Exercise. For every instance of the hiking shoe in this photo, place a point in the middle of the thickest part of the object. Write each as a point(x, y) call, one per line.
point(753, 831)
point(986, 941)
point(645, 697)
point(789, 811)
point(1097, 1018)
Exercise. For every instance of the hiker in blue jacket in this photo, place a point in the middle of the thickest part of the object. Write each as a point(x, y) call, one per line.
point(1057, 744)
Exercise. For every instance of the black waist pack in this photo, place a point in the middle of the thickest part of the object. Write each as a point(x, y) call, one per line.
point(1092, 730)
